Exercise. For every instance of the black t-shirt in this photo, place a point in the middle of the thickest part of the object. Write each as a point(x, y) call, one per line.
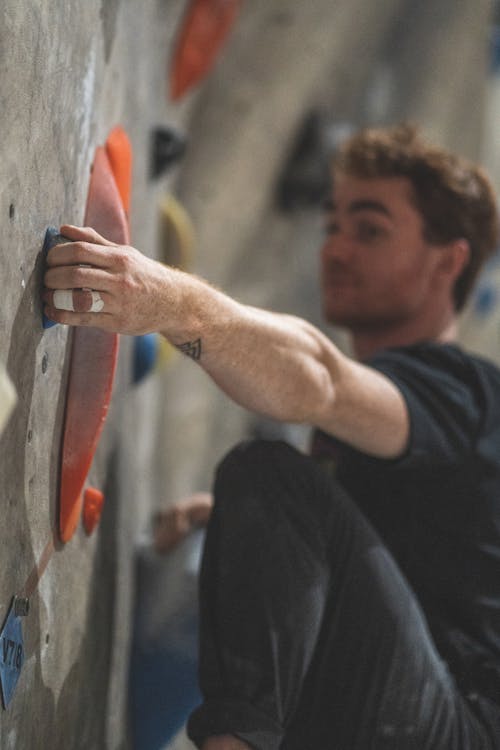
point(437, 508)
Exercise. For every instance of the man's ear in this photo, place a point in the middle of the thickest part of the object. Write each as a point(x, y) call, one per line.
point(454, 257)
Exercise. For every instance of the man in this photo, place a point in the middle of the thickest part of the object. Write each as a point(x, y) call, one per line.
point(362, 610)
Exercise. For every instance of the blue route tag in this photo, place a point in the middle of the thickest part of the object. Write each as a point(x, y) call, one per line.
point(11, 654)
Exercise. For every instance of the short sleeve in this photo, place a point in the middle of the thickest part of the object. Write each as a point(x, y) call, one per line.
point(443, 397)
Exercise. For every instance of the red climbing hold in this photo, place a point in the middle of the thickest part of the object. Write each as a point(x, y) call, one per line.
point(93, 500)
point(119, 153)
point(203, 32)
point(93, 360)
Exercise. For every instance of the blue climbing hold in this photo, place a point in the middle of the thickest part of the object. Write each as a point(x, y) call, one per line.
point(52, 238)
point(145, 356)
point(485, 300)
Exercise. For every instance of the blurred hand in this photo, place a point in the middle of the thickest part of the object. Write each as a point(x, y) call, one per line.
point(173, 524)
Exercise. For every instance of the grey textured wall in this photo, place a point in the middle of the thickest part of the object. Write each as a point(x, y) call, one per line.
point(70, 71)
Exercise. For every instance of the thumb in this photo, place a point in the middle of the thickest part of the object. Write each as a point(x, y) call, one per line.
point(83, 234)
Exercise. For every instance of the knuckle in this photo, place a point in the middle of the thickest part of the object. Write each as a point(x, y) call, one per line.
point(121, 260)
point(79, 277)
point(128, 284)
point(83, 251)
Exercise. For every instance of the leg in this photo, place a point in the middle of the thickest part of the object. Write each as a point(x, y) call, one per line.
point(377, 681)
point(308, 630)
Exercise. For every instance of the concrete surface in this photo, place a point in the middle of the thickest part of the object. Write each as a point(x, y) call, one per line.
point(70, 72)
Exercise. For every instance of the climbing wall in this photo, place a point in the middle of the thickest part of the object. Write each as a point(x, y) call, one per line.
point(71, 71)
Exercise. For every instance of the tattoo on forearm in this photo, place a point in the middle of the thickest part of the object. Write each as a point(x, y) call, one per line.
point(191, 349)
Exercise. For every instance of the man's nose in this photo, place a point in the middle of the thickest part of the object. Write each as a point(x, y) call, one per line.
point(338, 247)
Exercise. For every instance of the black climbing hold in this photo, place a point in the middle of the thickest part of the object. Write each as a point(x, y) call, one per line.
point(304, 181)
point(168, 146)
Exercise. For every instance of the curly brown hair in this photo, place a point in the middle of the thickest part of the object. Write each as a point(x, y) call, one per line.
point(454, 196)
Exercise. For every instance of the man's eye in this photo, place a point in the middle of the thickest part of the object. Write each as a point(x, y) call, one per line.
point(369, 232)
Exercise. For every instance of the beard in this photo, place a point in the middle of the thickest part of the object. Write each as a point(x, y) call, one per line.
point(364, 320)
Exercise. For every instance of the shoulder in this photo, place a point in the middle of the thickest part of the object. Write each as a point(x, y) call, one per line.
point(431, 359)
point(447, 389)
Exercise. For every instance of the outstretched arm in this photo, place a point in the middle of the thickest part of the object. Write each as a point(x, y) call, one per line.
point(274, 364)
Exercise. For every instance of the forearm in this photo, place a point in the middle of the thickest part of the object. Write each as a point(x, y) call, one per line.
point(275, 364)
point(285, 368)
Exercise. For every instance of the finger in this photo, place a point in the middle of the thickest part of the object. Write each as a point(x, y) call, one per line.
point(79, 300)
point(80, 253)
point(83, 234)
point(100, 320)
point(75, 277)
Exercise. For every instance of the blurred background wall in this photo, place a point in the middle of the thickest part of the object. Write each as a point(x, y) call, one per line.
point(292, 79)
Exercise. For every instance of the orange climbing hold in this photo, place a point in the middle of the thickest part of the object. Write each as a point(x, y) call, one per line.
point(93, 502)
point(93, 360)
point(204, 29)
point(119, 153)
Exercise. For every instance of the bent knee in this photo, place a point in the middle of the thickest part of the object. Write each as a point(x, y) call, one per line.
point(257, 458)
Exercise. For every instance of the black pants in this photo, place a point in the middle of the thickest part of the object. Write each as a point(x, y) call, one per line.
point(311, 639)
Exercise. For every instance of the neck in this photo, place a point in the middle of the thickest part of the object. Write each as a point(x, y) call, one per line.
point(366, 343)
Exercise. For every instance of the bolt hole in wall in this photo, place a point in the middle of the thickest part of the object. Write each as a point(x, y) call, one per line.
point(12, 211)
